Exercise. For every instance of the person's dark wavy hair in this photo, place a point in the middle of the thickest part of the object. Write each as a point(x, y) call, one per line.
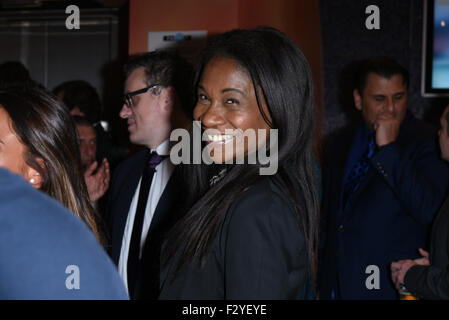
point(277, 66)
point(81, 94)
point(47, 131)
point(13, 73)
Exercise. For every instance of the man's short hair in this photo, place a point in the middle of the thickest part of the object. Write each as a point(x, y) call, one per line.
point(382, 66)
point(168, 69)
point(82, 121)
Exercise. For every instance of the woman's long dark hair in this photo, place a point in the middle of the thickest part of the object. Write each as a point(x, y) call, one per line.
point(277, 66)
point(47, 131)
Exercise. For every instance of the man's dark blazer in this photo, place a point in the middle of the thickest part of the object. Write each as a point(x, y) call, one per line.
point(387, 218)
point(432, 282)
point(124, 184)
point(45, 249)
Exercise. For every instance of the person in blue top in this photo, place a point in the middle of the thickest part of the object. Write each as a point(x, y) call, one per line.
point(46, 252)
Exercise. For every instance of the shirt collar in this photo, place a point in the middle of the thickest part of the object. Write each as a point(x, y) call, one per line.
point(163, 149)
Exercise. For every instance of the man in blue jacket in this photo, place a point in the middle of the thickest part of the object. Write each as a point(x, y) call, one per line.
point(46, 252)
point(381, 190)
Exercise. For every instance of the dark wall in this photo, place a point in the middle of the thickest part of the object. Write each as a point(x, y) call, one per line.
point(53, 54)
point(345, 39)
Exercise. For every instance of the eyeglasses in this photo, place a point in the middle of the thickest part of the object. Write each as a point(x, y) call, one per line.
point(127, 99)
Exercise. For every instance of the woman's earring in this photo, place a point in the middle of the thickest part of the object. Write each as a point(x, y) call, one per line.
point(32, 180)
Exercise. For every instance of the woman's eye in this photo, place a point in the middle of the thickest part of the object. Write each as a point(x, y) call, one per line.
point(202, 96)
point(232, 101)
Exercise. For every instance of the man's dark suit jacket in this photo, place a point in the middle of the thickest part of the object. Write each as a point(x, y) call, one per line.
point(123, 187)
point(259, 252)
point(387, 218)
point(45, 249)
point(432, 282)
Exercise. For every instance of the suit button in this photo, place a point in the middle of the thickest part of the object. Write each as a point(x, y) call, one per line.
point(341, 227)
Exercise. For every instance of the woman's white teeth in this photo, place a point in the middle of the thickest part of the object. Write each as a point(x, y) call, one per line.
point(221, 137)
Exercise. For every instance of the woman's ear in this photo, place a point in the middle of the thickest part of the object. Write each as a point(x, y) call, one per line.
point(33, 176)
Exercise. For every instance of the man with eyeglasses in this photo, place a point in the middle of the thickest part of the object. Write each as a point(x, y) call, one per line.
point(142, 202)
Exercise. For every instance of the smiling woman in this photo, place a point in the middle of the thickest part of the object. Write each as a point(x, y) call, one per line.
point(246, 235)
point(227, 102)
point(38, 141)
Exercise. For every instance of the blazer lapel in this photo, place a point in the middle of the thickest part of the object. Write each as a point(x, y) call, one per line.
point(403, 136)
point(168, 211)
point(166, 214)
point(370, 175)
point(341, 162)
point(124, 195)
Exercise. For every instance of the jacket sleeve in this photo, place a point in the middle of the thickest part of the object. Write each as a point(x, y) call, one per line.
point(46, 252)
point(428, 282)
point(417, 177)
point(111, 198)
point(264, 249)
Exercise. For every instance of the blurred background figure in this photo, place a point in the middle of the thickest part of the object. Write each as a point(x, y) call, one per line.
point(97, 177)
point(87, 138)
point(13, 73)
point(39, 142)
point(428, 276)
point(383, 184)
point(82, 99)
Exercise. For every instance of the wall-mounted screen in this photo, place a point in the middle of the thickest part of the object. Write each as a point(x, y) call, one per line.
point(436, 48)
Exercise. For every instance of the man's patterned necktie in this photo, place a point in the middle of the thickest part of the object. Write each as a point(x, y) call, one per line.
point(358, 172)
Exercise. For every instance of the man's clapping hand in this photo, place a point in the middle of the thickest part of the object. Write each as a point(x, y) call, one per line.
point(98, 183)
point(400, 268)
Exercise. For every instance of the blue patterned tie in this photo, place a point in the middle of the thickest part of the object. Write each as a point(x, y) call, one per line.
point(358, 172)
